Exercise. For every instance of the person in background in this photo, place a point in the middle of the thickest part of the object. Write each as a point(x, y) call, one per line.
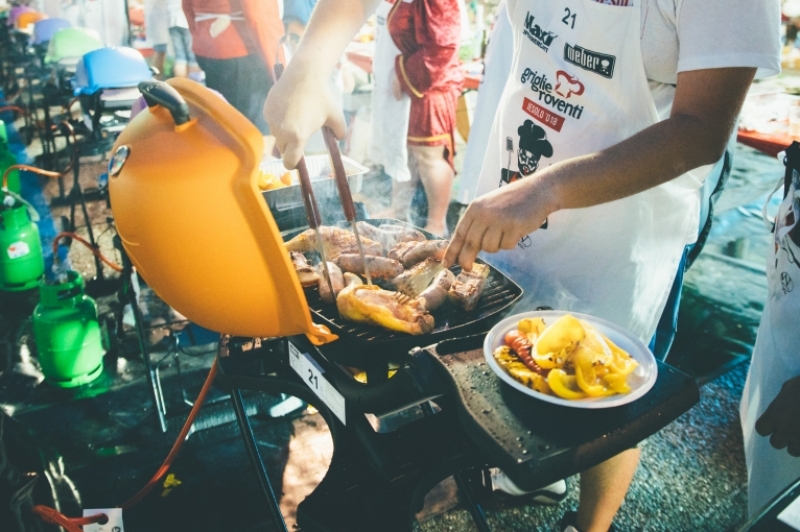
point(428, 71)
point(296, 14)
point(236, 44)
point(497, 67)
point(185, 61)
point(770, 407)
point(156, 19)
point(637, 100)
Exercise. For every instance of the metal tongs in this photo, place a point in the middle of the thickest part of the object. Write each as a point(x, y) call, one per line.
point(346, 198)
point(310, 201)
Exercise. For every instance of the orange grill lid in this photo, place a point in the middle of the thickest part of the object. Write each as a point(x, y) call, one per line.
point(183, 185)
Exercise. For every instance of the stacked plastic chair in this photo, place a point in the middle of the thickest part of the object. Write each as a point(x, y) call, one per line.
point(67, 47)
point(44, 30)
point(106, 82)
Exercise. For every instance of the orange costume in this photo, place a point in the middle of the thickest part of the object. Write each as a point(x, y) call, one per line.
point(428, 32)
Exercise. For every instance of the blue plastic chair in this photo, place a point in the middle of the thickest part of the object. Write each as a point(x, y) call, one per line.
point(106, 80)
point(109, 68)
point(44, 30)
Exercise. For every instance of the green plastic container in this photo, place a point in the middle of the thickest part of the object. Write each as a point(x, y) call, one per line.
point(21, 260)
point(67, 334)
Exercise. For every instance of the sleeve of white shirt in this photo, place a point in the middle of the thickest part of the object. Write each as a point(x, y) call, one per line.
point(729, 33)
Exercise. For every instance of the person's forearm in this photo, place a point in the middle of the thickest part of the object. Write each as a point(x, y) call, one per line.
point(704, 112)
point(654, 156)
point(333, 25)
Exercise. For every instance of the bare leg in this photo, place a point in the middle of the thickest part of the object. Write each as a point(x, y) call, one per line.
point(180, 69)
point(603, 489)
point(158, 62)
point(437, 178)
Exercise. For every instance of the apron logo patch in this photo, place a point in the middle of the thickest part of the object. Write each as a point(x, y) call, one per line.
point(555, 98)
point(533, 145)
point(551, 120)
point(541, 38)
point(596, 62)
point(786, 283)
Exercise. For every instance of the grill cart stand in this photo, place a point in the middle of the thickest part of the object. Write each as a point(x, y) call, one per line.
point(382, 478)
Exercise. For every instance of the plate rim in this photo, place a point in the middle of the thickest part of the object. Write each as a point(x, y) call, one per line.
point(589, 403)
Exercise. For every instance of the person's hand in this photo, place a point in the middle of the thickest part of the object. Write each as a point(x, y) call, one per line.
point(299, 104)
point(498, 220)
point(397, 89)
point(782, 418)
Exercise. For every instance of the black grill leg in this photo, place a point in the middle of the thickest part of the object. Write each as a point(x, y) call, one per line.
point(255, 458)
point(475, 509)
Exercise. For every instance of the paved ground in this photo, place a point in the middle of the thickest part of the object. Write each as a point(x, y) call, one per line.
point(691, 478)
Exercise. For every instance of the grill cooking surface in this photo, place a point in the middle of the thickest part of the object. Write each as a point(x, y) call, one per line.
point(450, 320)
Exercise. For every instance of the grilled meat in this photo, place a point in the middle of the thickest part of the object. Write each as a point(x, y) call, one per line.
point(335, 241)
point(410, 253)
point(389, 235)
point(308, 276)
point(379, 267)
point(370, 304)
point(436, 294)
point(412, 282)
point(337, 280)
point(468, 286)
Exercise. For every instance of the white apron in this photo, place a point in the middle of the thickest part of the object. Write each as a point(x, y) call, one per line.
point(389, 115)
point(776, 359)
point(577, 86)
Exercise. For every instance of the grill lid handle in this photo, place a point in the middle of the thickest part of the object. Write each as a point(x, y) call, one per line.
point(160, 93)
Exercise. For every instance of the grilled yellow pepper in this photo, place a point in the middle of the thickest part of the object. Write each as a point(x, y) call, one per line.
point(564, 385)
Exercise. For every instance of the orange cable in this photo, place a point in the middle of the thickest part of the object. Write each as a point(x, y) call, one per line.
point(16, 108)
point(46, 173)
point(72, 524)
point(96, 252)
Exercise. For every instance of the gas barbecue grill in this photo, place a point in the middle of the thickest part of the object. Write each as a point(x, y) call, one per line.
point(244, 283)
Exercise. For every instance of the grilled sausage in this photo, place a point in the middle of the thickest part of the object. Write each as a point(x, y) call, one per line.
point(436, 293)
point(411, 253)
point(379, 267)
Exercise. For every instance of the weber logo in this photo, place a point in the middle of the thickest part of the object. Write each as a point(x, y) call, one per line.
point(598, 63)
point(541, 38)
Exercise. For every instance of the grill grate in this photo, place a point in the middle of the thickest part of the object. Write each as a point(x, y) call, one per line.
point(497, 296)
point(449, 320)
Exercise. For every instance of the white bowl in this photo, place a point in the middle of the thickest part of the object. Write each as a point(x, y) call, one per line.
point(640, 381)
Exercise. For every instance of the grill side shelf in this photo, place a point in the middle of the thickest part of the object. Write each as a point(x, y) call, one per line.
point(537, 443)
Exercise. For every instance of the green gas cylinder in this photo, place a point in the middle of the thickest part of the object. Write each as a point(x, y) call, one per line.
point(67, 334)
point(21, 260)
point(7, 158)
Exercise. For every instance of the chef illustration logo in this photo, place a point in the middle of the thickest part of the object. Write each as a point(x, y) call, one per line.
point(786, 283)
point(541, 38)
point(549, 99)
point(596, 62)
point(533, 145)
